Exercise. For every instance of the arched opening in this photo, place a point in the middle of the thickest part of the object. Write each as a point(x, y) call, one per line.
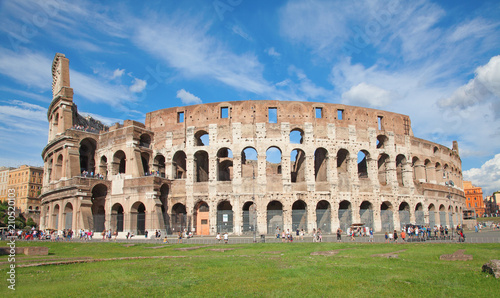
point(381, 141)
point(363, 164)
point(298, 166)
point(366, 214)
point(442, 215)
point(273, 164)
point(419, 214)
point(68, 216)
point(383, 168)
point(59, 167)
point(296, 136)
point(400, 165)
point(145, 140)
point(119, 162)
point(343, 169)
point(386, 217)
point(138, 218)
point(99, 193)
point(404, 214)
point(87, 153)
point(145, 163)
point(248, 163)
point(103, 166)
point(429, 173)
point(224, 217)
point(345, 215)
point(225, 164)
point(249, 217)
point(164, 217)
point(415, 162)
point(159, 165)
point(324, 216)
point(178, 218)
point(438, 173)
point(274, 216)
point(320, 165)
point(49, 177)
point(201, 166)
point(299, 216)
point(179, 165)
point(201, 218)
point(117, 217)
point(55, 217)
point(432, 215)
point(450, 216)
point(201, 138)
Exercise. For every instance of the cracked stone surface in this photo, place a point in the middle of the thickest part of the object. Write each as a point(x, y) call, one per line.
point(457, 256)
point(493, 268)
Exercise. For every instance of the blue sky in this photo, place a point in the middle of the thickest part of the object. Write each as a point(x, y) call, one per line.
point(436, 61)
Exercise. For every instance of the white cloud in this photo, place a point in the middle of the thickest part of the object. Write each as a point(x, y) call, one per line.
point(117, 73)
point(188, 48)
point(475, 28)
point(28, 68)
point(138, 85)
point(99, 91)
point(487, 177)
point(367, 95)
point(272, 52)
point(485, 85)
point(283, 83)
point(22, 123)
point(239, 31)
point(188, 98)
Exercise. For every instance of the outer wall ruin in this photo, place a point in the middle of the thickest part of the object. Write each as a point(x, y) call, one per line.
point(243, 166)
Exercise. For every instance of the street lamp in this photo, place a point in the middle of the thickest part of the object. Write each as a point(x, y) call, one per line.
point(450, 184)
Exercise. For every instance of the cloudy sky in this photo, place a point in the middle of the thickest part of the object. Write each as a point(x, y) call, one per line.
point(436, 61)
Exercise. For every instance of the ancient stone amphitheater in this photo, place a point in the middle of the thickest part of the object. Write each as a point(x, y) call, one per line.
point(243, 166)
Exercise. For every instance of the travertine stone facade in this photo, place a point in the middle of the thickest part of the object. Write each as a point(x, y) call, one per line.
point(245, 165)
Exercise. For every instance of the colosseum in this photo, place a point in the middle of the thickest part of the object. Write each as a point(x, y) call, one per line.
point(243, 167)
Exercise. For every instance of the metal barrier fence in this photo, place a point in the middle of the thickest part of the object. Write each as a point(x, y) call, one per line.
point(366, 216)
point(387, 219)
point(345, 219)
point(404, 218)
point(274, 220)
point(299, 220)
point(323, 220)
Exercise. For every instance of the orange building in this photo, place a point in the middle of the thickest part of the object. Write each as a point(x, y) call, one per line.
point(27, 183)
point(474, 198)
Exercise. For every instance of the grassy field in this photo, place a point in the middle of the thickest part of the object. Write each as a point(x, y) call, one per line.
point(278, 270)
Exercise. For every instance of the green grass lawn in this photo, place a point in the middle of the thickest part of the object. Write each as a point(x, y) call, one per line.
point(279, 270)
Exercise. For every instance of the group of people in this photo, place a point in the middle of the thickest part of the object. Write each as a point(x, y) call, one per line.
point(153, 173)
point(87, 174)
point(107, 234)
point(287, 236)
point(85, 128)
point(218, 237)
point(423, 232)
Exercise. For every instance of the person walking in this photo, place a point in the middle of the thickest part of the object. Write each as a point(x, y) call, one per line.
point(339, 235)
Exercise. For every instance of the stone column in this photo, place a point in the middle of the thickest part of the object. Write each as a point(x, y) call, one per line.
point(311, 218)
point(377, 219)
